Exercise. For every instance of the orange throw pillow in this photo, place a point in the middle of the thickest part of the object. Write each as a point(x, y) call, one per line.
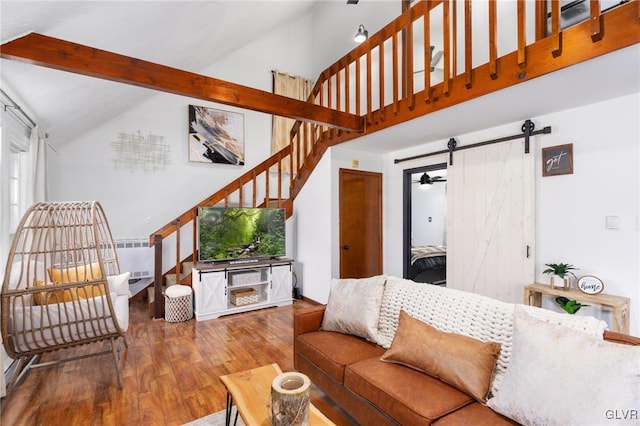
point(74, 274)
point(463, 362)
point(50, 296)
point(81, 273)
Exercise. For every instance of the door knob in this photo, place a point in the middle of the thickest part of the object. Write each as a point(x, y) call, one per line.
point(345, 247)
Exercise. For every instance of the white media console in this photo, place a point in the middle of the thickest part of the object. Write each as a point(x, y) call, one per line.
point(225, 288)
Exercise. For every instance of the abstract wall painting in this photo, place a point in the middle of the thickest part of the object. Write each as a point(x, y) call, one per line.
point(216, 136)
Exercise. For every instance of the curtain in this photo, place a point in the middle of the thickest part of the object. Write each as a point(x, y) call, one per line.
point(16, 142)
point(38, 163)
point(294, 87)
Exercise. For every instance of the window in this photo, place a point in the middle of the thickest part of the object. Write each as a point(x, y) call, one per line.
point(14, 191)
point(15, 184)
point(14, 157)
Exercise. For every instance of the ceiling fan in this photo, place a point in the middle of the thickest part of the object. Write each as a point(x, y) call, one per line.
point(425, 179)
point(433, 61)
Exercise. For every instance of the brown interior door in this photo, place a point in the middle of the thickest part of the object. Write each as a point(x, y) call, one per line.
point(360, 223)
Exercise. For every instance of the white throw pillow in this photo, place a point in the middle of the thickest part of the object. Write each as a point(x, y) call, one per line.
point(354, 306)
point(587, 324)
point(558, 376)
point(119, 284)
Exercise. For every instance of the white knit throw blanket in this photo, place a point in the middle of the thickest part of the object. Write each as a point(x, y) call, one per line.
point(460, 312)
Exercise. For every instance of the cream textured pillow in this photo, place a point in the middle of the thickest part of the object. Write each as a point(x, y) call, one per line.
point(464, 362)
point(558, 376)
point(354, 306)
point(119, 284)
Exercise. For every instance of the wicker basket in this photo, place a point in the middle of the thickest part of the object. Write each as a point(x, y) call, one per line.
point(243, 278)
point(178, 308)
point(245, 296)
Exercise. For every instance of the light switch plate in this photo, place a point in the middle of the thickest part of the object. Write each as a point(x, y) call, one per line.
point(613, 222)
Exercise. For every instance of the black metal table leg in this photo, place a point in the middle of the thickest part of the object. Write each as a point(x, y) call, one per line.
point(227, 420)
point(229, 411)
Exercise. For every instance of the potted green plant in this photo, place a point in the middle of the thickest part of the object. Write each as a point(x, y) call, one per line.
point(563, 272)
point(570, 306)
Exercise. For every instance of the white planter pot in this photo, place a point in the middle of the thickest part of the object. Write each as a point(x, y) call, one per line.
point(562, 283)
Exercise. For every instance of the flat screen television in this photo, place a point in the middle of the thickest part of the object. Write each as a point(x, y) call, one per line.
point(236, 233)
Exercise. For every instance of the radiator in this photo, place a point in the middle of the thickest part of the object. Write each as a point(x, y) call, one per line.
point(135, 256)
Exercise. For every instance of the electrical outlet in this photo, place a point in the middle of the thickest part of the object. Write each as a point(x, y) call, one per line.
point(147, 219)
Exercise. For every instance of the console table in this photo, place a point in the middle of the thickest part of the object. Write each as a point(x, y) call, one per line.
point(227, 288)
point(617, 304)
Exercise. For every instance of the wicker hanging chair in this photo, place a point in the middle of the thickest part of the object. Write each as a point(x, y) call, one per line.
point(62, 286)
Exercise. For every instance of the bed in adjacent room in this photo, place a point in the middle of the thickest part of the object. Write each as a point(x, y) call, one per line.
point(429, 264)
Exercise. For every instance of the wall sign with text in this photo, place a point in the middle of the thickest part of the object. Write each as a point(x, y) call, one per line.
point(590, 284)
point(557, 160)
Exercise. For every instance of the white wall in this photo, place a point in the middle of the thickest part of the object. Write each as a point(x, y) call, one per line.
point(428, 214)
point(312, 213)
point(335, 23)
point(570, 209)
point(137, 203)
point(316, 214)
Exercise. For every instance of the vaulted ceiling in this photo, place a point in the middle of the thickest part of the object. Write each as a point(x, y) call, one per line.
point(189, 35)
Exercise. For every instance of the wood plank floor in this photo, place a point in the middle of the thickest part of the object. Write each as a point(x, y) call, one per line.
point(170, 372)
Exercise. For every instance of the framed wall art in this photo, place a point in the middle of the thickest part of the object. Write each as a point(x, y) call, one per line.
point(215, 136)
point(557, 160)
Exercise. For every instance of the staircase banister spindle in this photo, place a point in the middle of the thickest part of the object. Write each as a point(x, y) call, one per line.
point(178, 259)
point(255, 188)
point(157, 273)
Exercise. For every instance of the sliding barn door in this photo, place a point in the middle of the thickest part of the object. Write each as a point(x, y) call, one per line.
point(491, 220)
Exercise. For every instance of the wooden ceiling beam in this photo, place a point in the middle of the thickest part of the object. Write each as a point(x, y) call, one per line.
point(63, 55)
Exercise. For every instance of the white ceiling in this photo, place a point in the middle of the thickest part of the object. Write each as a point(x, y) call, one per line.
point(191, 35)
point(188, 35)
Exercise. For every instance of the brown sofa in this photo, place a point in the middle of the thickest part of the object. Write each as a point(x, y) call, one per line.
point(348, 370)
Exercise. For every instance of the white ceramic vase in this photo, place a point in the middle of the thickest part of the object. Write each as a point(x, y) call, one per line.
point(559, 282)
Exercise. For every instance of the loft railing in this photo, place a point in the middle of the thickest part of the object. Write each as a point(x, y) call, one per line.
point(390, 78)
point(384, 79)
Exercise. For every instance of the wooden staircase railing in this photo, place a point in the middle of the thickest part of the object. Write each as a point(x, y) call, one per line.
point(378, 80)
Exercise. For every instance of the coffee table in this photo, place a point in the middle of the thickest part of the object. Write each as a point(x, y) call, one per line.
point(250, 390)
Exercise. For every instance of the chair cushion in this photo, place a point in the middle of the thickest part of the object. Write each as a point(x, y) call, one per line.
point(407, 396)
point(332, 352)
point(53, 324)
